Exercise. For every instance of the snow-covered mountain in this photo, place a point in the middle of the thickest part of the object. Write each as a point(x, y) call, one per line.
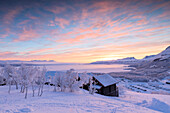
point(119, 61)
point(157, 66)
point(165, 52)
point(148, 57)
point(163, 55)
point(130, 60)
point(161, 60)
point(126, 60)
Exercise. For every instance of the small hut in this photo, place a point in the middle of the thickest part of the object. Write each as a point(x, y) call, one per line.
point(106, 85)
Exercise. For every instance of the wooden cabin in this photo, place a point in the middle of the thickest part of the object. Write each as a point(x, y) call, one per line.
point(106, 85)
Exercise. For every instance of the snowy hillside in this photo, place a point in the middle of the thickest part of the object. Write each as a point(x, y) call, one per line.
point(166, 52)
point(148, 57)
point(119, 61)
point(159, 61)
point(131, 60)
point(82, 102)
point(163, 55)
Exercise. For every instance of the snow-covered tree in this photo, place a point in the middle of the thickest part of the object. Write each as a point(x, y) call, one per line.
point(92, 89)
point(41, 80)
point(31, 76)
point(2, 77)
point(16, 77)
point(8, 72)
point(67, 81)
point(84, 78)
point(64, 82)
point(23, 76)
point(72, 80)
point(57, 81)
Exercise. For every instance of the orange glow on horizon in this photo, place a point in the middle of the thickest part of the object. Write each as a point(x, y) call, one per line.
point(89, 57)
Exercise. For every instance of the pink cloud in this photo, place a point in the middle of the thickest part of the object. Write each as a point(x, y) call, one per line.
point(164, 16)
point(8, 18)
point(119, 35)
point(27, 35)
point(78, 34)
point(3, 35)
point(61, 37)
point(59, 21)
point(83, 36)
point(123, 27)
point(32, 17)
point(104, 6)
point(23, 22)
point(154, 28)
point(7, 54)
point(7, 32)
point(164, 5)
point(56, 9)
point(142, 22)
point(44, 50)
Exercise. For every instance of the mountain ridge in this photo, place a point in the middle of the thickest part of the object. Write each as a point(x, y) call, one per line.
point(162, 55)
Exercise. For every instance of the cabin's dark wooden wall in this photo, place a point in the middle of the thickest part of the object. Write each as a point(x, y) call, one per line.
point(111, 90)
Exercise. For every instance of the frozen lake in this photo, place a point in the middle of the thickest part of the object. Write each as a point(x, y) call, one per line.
point(99, 68)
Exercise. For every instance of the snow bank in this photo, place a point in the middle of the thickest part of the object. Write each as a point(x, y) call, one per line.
point(83, 102)
point(156, 104)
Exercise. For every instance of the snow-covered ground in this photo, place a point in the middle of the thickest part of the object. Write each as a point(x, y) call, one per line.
point(151, 87)
point(81, 102)
point(159, 87)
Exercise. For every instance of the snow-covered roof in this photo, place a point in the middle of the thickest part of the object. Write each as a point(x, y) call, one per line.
point(106, 80)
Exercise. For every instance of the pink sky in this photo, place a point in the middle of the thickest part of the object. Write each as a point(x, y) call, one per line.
point(82, 30)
